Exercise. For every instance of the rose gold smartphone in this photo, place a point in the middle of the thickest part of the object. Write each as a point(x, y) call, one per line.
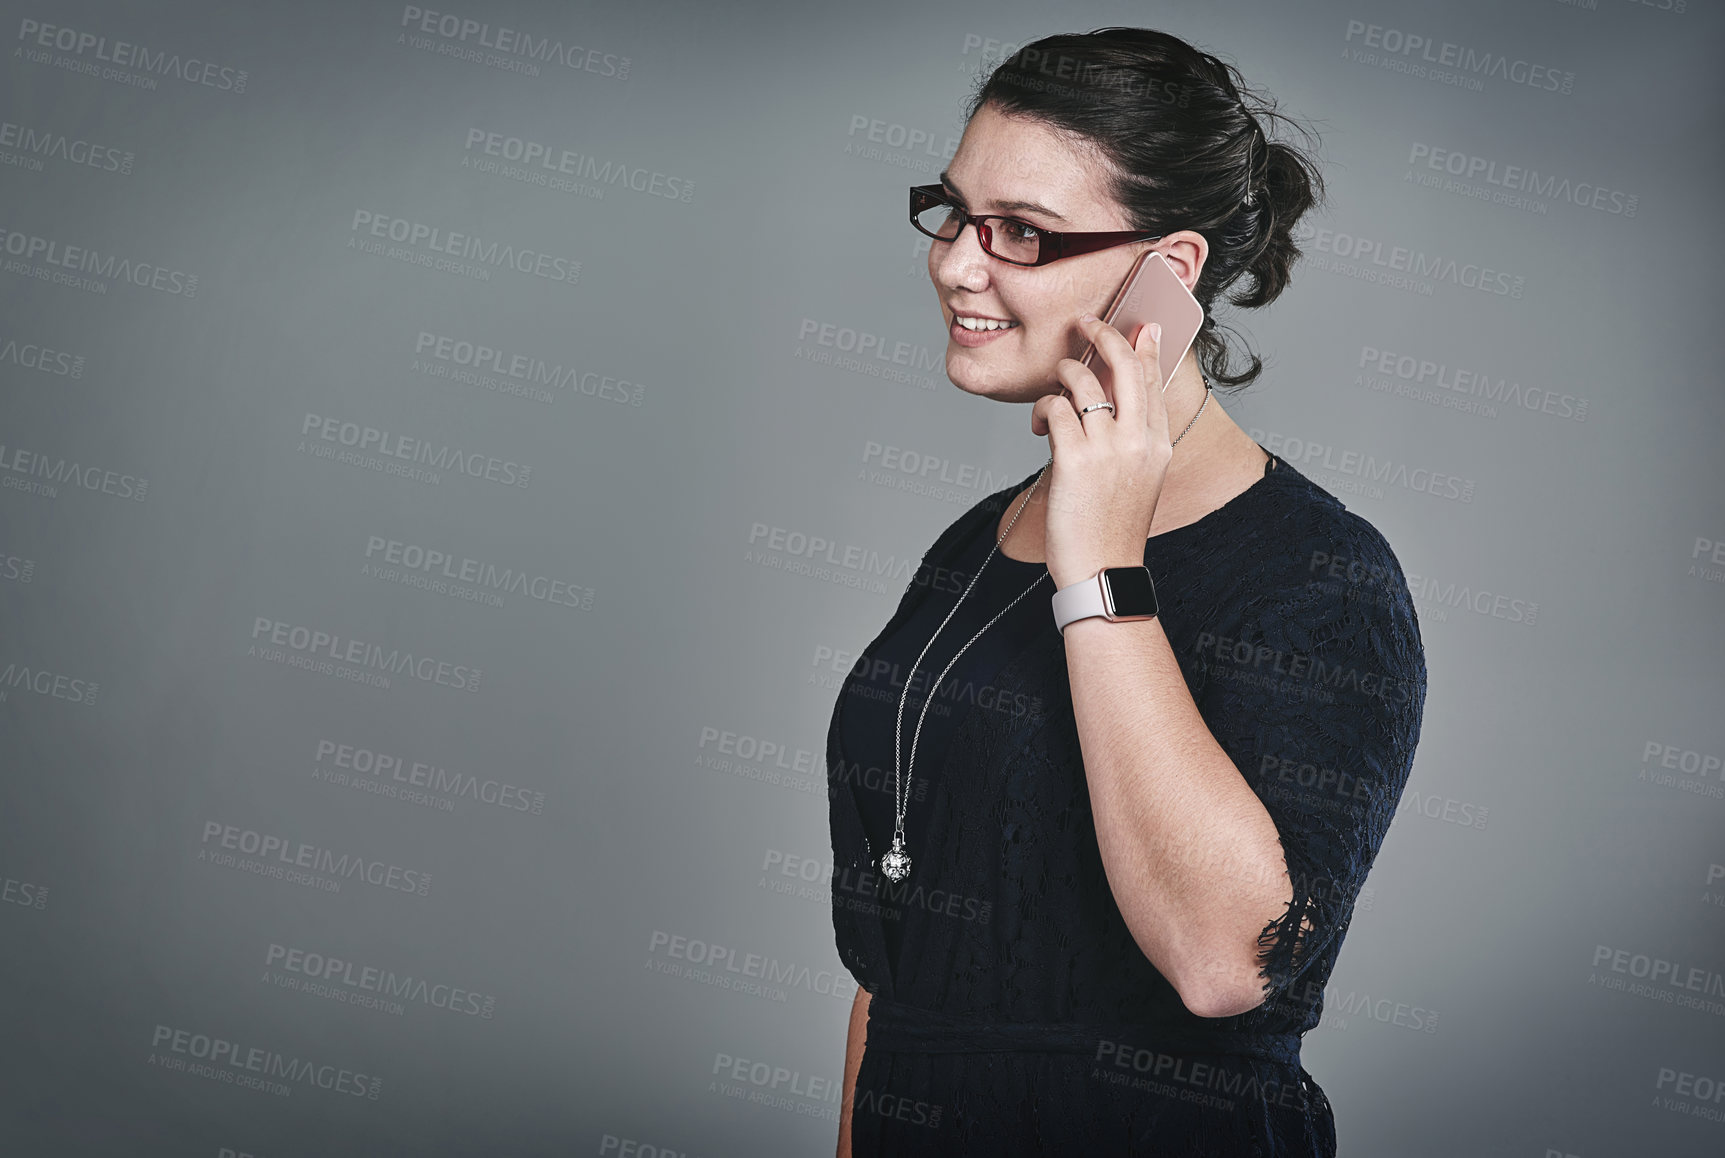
point(1152, 292)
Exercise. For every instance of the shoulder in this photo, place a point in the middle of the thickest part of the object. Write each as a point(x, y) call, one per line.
point(1322, 627)
point(1327, 576)
point(1316, 542)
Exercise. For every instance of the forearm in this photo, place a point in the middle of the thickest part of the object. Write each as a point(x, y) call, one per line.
point(1192, 856)
point(854, 1040)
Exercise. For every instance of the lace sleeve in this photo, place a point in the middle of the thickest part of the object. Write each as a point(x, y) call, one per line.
point(1316, 689)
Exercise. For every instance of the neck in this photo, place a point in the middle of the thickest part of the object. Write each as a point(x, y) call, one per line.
point(1189, 419)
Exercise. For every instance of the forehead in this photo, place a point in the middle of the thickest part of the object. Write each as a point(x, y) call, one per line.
point(1012, 158)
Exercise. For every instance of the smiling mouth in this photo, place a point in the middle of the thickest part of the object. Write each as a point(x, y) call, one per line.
point(982, 325)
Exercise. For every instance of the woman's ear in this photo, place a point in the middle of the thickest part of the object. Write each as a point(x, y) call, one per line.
point(1186, 251)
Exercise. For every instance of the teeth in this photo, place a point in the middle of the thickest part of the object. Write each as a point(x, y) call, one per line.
point(984, 324)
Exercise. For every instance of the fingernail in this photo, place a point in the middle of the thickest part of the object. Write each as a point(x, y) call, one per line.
point(1155, 331)
point(1088, 318)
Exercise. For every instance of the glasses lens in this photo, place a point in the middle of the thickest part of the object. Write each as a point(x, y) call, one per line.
point(1003, 236)
point(938, 220)
point(1011, 239)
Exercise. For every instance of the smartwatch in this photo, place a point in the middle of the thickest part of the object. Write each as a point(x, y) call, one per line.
point(1117, 594)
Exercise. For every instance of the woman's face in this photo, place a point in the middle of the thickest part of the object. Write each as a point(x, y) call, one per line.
point(1002, 162)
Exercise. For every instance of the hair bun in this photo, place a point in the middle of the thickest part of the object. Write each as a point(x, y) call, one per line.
point(1188, 147)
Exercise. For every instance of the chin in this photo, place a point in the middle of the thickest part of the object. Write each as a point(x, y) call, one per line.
point(983, 381)
point(986, 381)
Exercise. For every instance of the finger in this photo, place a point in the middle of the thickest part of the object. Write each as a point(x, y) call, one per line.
point(1060, 422)
point(1038, 409)
point(1155, 406)
point(1125, 369)
point(1079, 381)
point(1082, 388)
point(1043, 407)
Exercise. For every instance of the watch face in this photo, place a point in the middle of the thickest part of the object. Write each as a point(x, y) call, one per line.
point(1130, 591)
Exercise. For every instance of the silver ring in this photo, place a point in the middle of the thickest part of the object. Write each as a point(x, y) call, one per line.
point(1108, 406)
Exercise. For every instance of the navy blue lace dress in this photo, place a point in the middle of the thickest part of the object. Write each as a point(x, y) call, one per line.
point(1011, 1010)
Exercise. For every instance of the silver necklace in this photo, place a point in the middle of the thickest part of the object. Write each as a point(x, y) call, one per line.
point(895, 862)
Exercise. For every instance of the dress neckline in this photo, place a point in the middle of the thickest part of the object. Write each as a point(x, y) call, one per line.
point(1274, 467)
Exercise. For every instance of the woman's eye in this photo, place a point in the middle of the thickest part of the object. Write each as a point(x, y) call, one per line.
point(1019, 230)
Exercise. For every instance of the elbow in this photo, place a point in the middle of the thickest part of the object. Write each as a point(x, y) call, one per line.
point(1219, 978)
point(1218, 1001)
point(1215, 1000)
point(1223, 990)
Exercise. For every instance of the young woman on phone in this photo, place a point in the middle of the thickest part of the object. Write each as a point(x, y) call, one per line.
point(1106, 787)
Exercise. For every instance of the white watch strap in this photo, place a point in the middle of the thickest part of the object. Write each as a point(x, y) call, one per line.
point(1079, 600)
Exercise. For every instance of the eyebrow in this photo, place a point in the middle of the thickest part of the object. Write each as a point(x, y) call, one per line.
point(1022, 206)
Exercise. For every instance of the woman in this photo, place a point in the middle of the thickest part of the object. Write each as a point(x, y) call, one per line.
point(1091, 878)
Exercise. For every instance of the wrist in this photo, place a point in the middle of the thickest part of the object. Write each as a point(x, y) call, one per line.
point(1116, 594)
point(1066, 576)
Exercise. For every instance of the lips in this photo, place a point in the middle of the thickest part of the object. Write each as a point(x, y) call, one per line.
point(972, 338)
point(978, 324)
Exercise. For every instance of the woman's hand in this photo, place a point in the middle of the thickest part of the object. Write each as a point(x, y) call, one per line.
point(1108, 468)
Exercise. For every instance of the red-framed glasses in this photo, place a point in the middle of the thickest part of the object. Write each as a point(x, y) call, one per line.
point(1011, 240)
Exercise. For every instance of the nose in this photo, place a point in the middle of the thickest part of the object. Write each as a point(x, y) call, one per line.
point(964, 262)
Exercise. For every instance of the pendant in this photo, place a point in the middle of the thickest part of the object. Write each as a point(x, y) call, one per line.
point(896, 862)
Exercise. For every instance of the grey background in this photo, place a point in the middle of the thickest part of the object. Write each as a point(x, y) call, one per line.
point(1536, 732)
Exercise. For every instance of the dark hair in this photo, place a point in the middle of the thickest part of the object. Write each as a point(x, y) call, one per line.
point(1185, 139)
